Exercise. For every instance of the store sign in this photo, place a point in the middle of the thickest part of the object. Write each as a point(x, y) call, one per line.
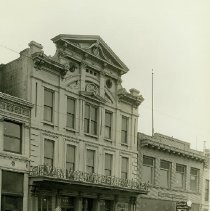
point(80, 176)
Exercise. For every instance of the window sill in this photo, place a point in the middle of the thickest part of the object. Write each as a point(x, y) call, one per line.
point(124, 144)
point(108, 140)
point(90, 135)
point(48, 123)
point(70, 130)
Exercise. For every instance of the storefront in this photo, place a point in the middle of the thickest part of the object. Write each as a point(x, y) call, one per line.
point(81, 191)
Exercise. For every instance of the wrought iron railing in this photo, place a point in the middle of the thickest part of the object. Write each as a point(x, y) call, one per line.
point(84, 177)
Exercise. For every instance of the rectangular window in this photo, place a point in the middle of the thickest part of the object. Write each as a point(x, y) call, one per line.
point(70, 113)
point(206, 190)
point(12, 137)
point(48, 105)
point(70, 157)
point(148, 170)
point(12, 191)
point(165, 174)
point(194, 179)
point(124, 130)
point(108, 164)
point(180, 176)
point(108, 124)
point(48, 152)
point(90, 161)
point(124, 168)
point(90, 120)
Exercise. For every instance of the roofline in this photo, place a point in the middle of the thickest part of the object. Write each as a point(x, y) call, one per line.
point(91, 37)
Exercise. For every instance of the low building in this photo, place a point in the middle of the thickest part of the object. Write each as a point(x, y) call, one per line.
point(83, 143)
point(206, 183)
point(14, 152)
point(173, 170)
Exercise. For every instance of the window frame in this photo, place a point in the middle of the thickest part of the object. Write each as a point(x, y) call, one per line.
point(53, 153)
point(111, 164)
point(71, 114)
point(49, 107)
point(122, 170)
point(197, 179)
point(152, 167)
point(87, 163)
point(73, 163)
point(90, 120)
point(124, 142)
point(207, 186)
point(109, 127)
point(14, 137)
point(169, 173)
point(183, 176)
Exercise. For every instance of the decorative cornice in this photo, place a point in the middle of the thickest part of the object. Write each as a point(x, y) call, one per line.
point(15, 105)
point(171, 149)
point(129, 98)
point(13, 157)
point(93, 96)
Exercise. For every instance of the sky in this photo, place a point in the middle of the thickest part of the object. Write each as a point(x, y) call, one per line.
point(171, 37)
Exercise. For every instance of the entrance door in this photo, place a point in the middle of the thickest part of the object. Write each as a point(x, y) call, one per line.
point(67, 203)
point(87, 204)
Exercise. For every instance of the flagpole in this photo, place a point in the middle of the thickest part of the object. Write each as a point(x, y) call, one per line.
point(152, 104)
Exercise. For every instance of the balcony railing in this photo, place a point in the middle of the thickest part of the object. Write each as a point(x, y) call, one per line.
point(88, 178)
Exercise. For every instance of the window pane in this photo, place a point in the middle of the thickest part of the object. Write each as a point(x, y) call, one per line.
point(12, 182)
point(87, 111)
point(70, 120)
point(12, 144)
point(147, 174)
point(164, 178)
point(108, 161)
point(12, 129)
point(93, 113)
point(70, 105)
point(70, 166)
point(70, 154)
point(93, 127)
point(48, 113)
point(86, 126)
point(149, 161)
point(108, 132)
point(90, 157)
point(124, 175)
point(164, 164)
point(124, 137)
point(48, 149)
point(48, 98)
point(179, 180)
point(124, 164)
point(124, 123)
point(10, 203)
point(108, 119)
point(48, 161)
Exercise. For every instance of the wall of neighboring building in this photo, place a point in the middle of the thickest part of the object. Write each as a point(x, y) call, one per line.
point(14, 152)
point(167, 197)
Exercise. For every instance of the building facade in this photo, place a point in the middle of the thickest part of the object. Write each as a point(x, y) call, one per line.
point(14, 152)
point(83, 140)
point(206, 183)
point(173, 170)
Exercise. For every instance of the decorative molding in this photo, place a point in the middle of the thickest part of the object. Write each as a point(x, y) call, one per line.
point(15, 105)
point(13, 157)
point(74, 85)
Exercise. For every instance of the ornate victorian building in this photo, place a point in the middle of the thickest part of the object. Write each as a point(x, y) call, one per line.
point(14, 152)
point(173, 170)
point(83, 142)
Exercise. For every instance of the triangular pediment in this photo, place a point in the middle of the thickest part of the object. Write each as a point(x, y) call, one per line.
point(94, 45)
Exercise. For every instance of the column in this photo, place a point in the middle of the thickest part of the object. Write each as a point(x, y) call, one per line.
point(96, 205)
point(25, 192)
point(78, 204)
point(115, 203)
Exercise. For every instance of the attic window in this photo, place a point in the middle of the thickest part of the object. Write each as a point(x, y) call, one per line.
point(92, 72)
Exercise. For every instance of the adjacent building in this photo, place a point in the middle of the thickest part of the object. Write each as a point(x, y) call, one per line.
point(206, 183)
point(82, 149)
point(173, 170)
point(14, 152)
